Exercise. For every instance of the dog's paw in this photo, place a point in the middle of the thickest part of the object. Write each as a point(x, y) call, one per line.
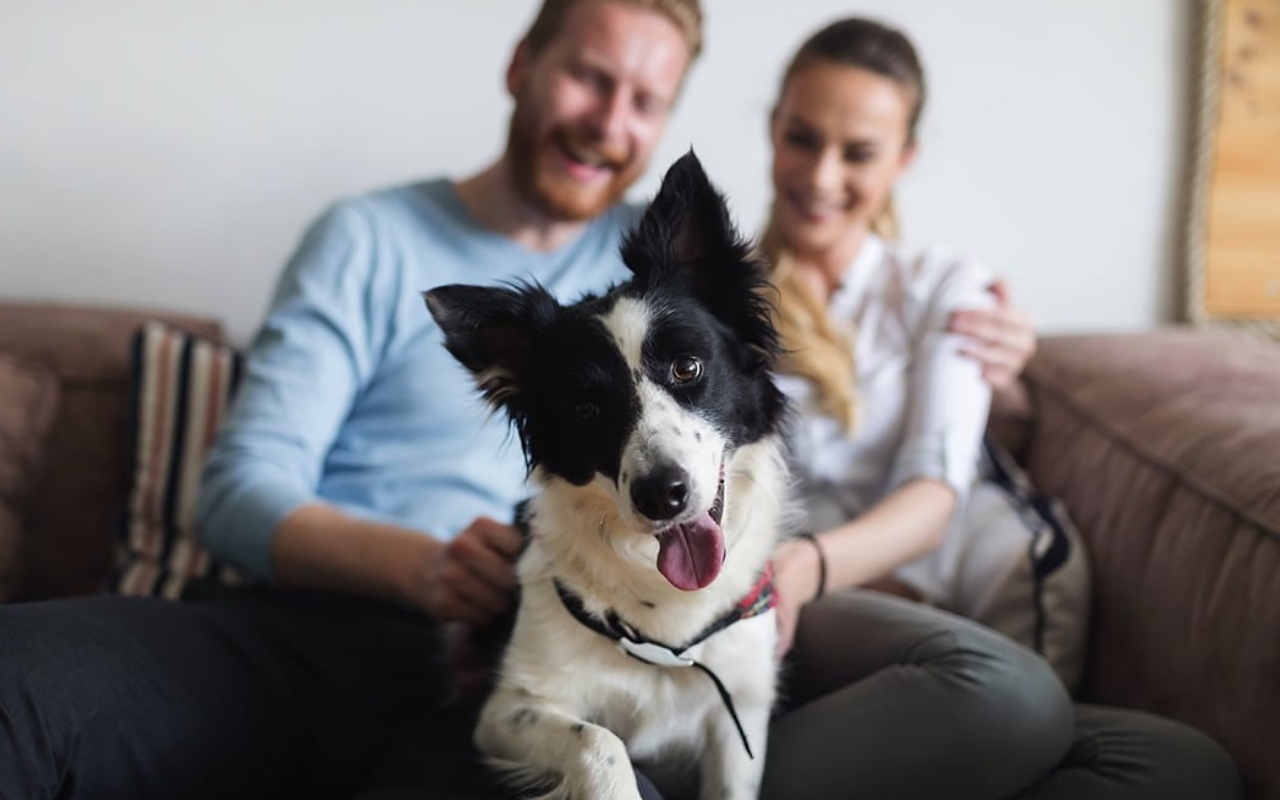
point(609, 778)
point(627, 790)
point(602, 769)
point(572, 790)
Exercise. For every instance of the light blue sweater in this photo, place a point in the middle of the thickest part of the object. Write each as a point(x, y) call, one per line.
point(349, 396)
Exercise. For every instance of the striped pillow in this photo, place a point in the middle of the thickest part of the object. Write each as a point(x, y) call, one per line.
point(182, 385)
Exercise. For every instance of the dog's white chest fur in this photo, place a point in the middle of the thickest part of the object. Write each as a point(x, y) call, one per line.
point(654, 709)
point(571, 706)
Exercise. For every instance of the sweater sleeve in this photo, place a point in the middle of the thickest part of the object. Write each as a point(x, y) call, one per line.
point(315, 350)
point(948, 400)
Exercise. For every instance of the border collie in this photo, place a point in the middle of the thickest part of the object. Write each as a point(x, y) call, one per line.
point(651, 426)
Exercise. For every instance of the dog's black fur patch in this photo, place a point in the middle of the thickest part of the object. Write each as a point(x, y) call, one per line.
point(559, 376)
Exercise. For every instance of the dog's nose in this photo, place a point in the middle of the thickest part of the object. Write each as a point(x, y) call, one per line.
point(661, 494)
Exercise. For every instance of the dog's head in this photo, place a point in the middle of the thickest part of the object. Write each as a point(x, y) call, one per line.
point(642, 395)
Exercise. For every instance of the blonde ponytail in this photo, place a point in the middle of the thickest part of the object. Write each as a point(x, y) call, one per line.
point(814, 348)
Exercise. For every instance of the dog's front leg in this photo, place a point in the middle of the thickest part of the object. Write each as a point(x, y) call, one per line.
point(537, 743)
point(727, 772)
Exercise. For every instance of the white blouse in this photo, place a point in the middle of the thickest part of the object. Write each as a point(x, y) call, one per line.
point(923, 405)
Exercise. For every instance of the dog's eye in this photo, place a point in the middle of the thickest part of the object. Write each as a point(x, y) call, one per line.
point(585, 413)
point(686, 369)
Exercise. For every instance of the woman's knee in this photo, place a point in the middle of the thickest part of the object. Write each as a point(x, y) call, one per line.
point(1022, 712)
point(1002, 699)
point(1151, 757)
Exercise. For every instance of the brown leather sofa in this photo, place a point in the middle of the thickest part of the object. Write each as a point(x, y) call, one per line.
point(1165, 447)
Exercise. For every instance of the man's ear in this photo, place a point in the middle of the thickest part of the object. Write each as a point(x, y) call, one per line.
point(493, 332)
point(518, 67)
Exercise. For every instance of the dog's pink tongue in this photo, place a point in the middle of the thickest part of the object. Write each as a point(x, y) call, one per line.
point(690, 555)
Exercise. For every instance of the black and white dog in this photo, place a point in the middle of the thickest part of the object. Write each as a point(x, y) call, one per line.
point(651, 426)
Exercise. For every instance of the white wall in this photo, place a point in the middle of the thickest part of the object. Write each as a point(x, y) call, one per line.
point(168, 154)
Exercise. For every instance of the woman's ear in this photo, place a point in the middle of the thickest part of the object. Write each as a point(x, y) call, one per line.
point(908, 156)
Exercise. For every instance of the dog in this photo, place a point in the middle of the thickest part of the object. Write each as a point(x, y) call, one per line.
point(651, 426)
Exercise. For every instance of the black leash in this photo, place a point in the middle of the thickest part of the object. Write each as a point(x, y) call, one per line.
point(641, 648)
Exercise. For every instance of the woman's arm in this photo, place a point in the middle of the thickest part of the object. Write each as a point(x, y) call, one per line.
point(903, 526)
point(947, 401)
point(906, 524)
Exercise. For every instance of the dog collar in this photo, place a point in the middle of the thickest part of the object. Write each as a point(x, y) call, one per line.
point(760, 599)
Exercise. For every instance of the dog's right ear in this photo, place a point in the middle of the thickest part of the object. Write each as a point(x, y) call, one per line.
point(493, 331)
point(687, 236)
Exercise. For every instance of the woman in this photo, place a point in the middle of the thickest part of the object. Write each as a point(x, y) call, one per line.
point(889, 698)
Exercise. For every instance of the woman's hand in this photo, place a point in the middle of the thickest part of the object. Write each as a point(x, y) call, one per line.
point(1002, 338)
point(795, 583)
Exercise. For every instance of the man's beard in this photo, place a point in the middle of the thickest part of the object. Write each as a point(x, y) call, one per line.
point(557, 195)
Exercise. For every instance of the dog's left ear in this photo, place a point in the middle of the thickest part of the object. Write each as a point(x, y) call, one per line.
point(686, 237)
point(493, 331)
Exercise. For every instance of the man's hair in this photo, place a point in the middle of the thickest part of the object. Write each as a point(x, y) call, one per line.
point(686, 14)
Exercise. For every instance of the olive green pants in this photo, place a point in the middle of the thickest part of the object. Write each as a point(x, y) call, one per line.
point(884, 698)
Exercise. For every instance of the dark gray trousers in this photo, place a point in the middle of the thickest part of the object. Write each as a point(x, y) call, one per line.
point(258, 693)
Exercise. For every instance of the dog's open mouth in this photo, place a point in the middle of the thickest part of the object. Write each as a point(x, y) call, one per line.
point(691, 553)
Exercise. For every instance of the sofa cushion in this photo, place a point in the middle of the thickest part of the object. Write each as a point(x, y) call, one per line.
point(28, 404)
point(182, 384)
point(1144, 393)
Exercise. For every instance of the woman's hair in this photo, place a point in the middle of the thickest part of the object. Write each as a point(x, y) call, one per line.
point(869, 45)
point(816, 348)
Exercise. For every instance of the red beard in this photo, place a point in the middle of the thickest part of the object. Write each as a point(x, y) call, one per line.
point(541, 182)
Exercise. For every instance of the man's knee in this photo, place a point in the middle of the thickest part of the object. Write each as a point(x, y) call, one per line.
point(43, 652)
point(42, 667)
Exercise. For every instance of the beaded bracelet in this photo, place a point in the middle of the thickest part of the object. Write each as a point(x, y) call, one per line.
point(822, 562)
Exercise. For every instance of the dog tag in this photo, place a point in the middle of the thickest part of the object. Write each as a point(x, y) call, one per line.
point(654, 654)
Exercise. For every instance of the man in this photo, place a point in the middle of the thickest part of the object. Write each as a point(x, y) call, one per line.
point(352, 467)
point(349, 360)
point(357, 479)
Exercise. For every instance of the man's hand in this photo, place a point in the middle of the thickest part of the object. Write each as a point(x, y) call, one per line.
point(795, 583)
point(1003, 338)
point(470, 579)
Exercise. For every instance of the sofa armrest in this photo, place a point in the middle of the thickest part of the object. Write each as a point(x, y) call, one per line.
point(1164, 447)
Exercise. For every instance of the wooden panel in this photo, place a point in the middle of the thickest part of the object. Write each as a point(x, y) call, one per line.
point(1242, 269)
